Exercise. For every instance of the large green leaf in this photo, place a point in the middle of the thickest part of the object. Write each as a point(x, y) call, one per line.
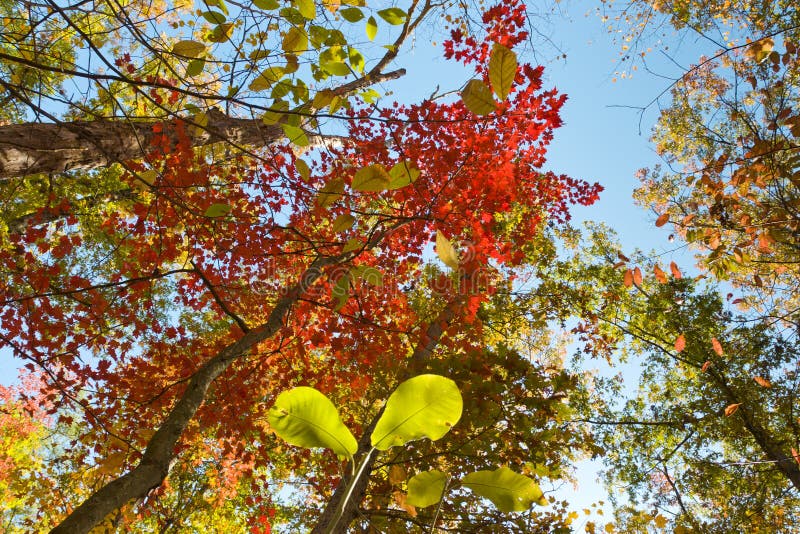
point(423, 406)
point(305, 417)
point(426, 488)
point(508, 491)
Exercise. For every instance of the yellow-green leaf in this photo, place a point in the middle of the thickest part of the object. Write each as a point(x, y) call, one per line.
point(295, 134)
point(217, 210)
point(508, 491)
point(502, 70)
point(330, 192)
point(372, 28)
point(423, 406)
point(343, 222)
point(402, 174)
point(426, 488)
point(371, 178)
point(306, 418)
point(478, 98)
point(295, 41)
point(191, 49)
point(306, 8)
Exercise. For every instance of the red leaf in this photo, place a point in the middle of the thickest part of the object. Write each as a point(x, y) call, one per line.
point(716, 346)
point(680, 343)
point(662, 219)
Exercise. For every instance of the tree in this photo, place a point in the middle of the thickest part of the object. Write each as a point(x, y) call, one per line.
point(728, 136)
point(708, 438)
point(193, 263)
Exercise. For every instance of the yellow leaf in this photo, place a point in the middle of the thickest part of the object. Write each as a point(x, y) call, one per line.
point(502, 70)
point(660, 521)
point(445, 250)
point(478, 98)
point(372, 178)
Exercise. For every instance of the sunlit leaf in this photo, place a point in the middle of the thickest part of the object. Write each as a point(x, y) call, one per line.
point(445, 250)
point(306, 418)
point(426, 488)
point(190, 49)
point(423, 406)
point(508, 491)
point(502, 70)
point(478, 98)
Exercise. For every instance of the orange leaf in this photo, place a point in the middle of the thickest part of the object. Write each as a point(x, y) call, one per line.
point(627, 278)
point(796, 455)
point(662, 219)
point(680, 343)
point(731, 409)
point(622, 256)
point(661, 276)
point(716, 346)
point(763, 382)
point(705, 366)
point(637, 276)
point(675, 271)
point(618, 265)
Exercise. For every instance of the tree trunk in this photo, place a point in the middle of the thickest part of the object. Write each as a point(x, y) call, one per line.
point(32, 148)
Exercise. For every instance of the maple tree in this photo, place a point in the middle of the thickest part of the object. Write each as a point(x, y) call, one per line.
point(168, 268)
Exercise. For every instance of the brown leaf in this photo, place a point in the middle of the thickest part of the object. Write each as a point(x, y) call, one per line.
point(397, 475)
point(716, 346)
point(661, 276)
point(622, 256)
point(627, 278)
point(796, 455)
point(705, 366)
point(618, 265)
point(662, 219)
point(680, 343)
point(673, 267)
point(731, 409)
point(637, 276)
point(763, 382)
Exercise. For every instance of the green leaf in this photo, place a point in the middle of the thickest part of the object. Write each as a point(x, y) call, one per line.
point(356, 59)
point(351, 14)
point(306, 8)
point(306, 418)
point(370, 275)
point(352, 244)
point(295, 134)
point(217, 210)
point(371, 178)
point(195, 67)
point(423, 406)
point(220, 33)
point(217, 3)
point(295, 41)
point(502, 70)
point(508, 491)
point(266, 79)
point(402, 174)
point(213, 17)
point(343, 222)
point(267, 5)
point(272, 116)
point(191, 49)
point(478, 98)
point(372, 28)
point(445, 250)
point(426, 488)
point(336, 68)
point(330, 192)
point(393, 15)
